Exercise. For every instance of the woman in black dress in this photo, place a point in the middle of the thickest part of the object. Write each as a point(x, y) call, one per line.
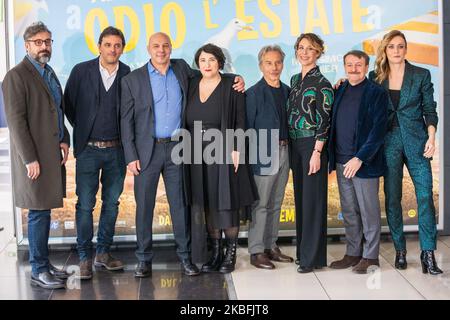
point(217, 190)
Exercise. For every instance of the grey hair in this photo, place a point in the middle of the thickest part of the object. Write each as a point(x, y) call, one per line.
point(34, 29)
point(269, 48)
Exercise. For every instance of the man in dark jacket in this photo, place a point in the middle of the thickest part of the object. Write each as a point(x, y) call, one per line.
point(356, 153)
point(266, 113)
point(35, 113)
point(92, 97)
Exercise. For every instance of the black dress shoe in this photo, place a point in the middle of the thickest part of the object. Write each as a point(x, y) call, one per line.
point(143, 270)
point(301, 269)
point(47, 281)
point(58, 273)
point(189, 268)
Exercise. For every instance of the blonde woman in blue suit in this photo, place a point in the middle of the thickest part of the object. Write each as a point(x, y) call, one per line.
point(410, 141)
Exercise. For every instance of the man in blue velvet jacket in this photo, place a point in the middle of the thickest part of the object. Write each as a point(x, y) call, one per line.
point(359, 124)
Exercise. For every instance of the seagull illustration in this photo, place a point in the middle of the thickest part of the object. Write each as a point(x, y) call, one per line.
point(25, 13)
point(223, 40)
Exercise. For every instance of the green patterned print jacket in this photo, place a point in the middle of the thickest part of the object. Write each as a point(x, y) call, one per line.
point(309, 106)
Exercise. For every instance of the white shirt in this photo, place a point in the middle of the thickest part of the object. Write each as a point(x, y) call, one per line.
point(108, 79)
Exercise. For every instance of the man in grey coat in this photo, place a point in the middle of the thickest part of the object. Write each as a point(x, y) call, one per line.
point(39, 147)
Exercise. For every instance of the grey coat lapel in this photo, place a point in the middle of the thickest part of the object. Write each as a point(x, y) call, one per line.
point(146, 85)
point(38, 78)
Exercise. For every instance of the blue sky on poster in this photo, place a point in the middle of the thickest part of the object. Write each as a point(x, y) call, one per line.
point(67, 20)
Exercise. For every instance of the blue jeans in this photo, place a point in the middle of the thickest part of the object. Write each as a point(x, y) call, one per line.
point(38, 232)
point(94, 165)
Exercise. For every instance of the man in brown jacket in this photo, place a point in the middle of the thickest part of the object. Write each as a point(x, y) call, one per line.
point(39, 147)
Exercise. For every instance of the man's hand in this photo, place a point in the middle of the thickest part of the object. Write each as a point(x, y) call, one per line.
point(239, 84)
point(65, 150)
point(34, 170)
point(352, 167)
point(134, 167)
point(235, 157)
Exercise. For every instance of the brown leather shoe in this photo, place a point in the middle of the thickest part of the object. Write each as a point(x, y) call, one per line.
point(107, 261)
point(85, 269)
point(364, 265)
point(275, 254)
point(345, 262)
point(261, 261)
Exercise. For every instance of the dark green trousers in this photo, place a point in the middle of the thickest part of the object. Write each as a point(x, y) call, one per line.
point(419, 169)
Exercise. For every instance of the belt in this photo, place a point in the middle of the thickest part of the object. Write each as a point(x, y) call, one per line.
point(284, 142)
point(104, 144)
point(163, 140)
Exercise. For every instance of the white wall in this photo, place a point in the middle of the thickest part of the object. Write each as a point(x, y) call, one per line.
point(2, 40)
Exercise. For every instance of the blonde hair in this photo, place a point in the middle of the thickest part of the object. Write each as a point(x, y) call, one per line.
point(382, 68)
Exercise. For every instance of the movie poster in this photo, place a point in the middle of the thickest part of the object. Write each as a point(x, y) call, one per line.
point(241, 28)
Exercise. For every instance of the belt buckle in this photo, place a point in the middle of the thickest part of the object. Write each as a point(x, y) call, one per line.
point(102, 144)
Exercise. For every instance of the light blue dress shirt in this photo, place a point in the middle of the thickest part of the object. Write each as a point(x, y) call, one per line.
point(167, 102)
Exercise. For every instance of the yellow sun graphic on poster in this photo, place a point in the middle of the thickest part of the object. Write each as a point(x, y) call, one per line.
point(412, 213)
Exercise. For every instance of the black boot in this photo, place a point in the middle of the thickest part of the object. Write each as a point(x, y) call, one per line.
point(230, 257)
point(215, 261)
point(429, 263)
point(400, 260)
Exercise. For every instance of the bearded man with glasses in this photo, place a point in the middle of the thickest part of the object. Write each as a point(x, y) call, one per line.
point(34, 109)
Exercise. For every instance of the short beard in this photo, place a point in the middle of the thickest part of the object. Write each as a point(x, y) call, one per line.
point(42, 59)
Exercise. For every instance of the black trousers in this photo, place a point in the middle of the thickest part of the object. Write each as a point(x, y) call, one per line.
point(311, 194)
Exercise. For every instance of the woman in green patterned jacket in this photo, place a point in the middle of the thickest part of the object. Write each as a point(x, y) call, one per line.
point(309, 108)
point(410, 141)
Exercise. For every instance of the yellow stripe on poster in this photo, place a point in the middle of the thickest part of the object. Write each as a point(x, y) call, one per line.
point(417, 52)
point(417, 26)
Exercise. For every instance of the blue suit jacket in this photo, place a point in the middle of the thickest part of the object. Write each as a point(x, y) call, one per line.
point(370, 132)
point(82, 98)
point(416, 110)
point(261, 113)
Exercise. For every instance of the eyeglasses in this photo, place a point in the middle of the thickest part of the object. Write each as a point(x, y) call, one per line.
point(39, 42)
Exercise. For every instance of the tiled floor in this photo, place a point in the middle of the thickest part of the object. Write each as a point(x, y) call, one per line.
point(167, 281)
point(284, 283)
point(247, 282)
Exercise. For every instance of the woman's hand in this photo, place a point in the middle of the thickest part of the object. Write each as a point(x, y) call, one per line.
point(235, 157)
point(239, 84)
point(430, 148)
point(338, 83)
point(314, 163)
